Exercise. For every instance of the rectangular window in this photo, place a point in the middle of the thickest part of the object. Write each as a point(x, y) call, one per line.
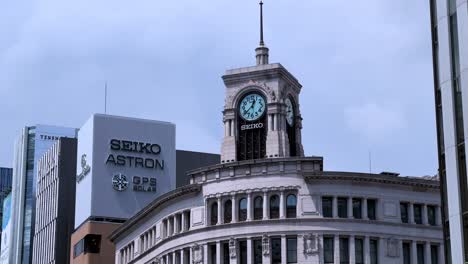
point(371, 209)
point(242, 252)
point(359, 250)
point(291, 250)
point(344, 250)
point(327, 206)
point(417, 213)
point(342, 207)
point(226, 258)
point(328, 250)
point(374, 251)
point(406, 253)
point(276, 251)
point(357, 208)
point(212, 254)
point(434, 254)
point(404, 212)
point(257, 244)
point(431, 215)
point(420, 252)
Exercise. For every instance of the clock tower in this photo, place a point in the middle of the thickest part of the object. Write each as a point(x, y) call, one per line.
point(261, 114)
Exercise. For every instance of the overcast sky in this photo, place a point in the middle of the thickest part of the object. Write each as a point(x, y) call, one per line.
point(365, 67)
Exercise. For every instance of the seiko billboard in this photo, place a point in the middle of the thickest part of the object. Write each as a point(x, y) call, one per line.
point(123, 164)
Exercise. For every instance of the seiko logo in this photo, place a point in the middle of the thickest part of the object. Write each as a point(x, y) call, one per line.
point(85, 169)
point(252, 126)
point(119, 182)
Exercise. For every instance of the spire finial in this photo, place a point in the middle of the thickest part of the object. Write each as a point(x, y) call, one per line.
point(261, 52)
point(261, 24)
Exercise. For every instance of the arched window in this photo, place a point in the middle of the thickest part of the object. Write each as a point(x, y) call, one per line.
point(227, 211)
point(242, 209)
point(258, 208)
point(214, 213)
point(291, 204)
point(274, 207)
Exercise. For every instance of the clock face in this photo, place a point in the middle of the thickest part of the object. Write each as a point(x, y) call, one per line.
point(252, 107)
point(289, 112)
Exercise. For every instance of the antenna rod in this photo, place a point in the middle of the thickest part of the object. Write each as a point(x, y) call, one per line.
point(105, 98)
point(370, 162)
point(261, 24)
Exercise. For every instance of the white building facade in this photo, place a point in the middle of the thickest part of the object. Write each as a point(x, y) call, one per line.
point(287, 211)
point(268, 203)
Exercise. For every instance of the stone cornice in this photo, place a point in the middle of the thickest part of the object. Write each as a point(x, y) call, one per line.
point(254, 190)
point(371, 178)
point(230, 165)
point(132, 222)
point(255, 72)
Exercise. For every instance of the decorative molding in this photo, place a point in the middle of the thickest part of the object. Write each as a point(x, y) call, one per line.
point(393, 247)
point(311, 244)
point(232, 248)
point(254, 190)
point(265, 245)
point(197, 254)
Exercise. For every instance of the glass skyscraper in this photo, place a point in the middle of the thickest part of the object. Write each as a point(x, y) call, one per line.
point(5, 186)
point(449, 24)
point(30, 146)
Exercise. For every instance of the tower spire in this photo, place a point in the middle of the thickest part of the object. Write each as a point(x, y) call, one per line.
point(261, 24)
point(261, 53)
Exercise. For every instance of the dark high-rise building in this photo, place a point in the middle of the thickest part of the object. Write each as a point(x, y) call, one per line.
point(449, 23)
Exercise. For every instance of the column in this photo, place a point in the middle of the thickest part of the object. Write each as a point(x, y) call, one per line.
point(183, 222)
point(265, 205)
point(410, 213)
point(220, 211)
point(206, 257)
point(283, 249)
point(249, 206)
point(174, 258)
point(364, 209)
point(425, 219)
point(225, 129)
point(249, 251)
point(381, 246)
point(231, 124)
point(335, 206)
point(170, 226)
point(167, 259)
point(282, 205)
point(207, 213)
point(234, 208)
point(176, 224)
point(438, 216)
point(414, 252)
point(352, 250)
point(367, 250)
point(441, 254)
point(427, 253)
point(182, 256)
point(270, 123)
point(275, 122)
point(218, 253)
point(350, 207)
